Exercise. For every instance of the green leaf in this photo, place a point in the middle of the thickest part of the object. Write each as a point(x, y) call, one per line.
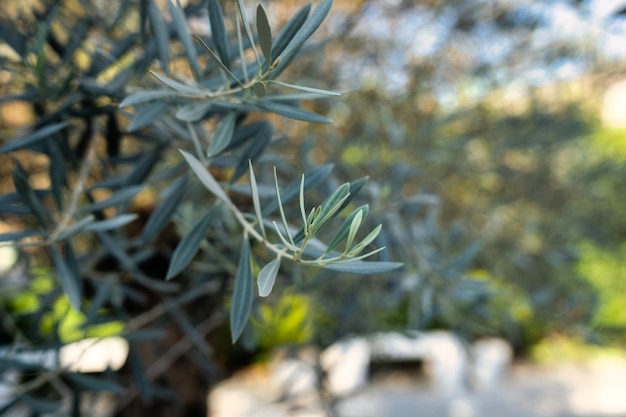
point(304, 33)
point(259, 89)
point(306, 89)
point(120, 197)
point(160, 31)
point(223, 134)
point(291, 243)
point(363, 267)
point(345, 228)
point(111, 224)
point(243, 295)
point(267, 277)
point(218, 31)
point(93, 383)
point(143, 165)
point(355, 187)
point(265, 34)
point(147, 115)
point(188, 247)
point(288, 32)
point(311, 179)
point(193, 112)
point(33, 138)
point(69, 282)
point(218, 61)
point(56, 171)
point(331, 207)
point(254, 150)
point(180, 23)
point(205, 176)
point(366, 241)
point(145, 96)
point(27, 195)
point(290, 111)
point(8, 237)
point(75, 228)
point(246, 25)
point(255, 200)
point(178, 86)
point(162, 214)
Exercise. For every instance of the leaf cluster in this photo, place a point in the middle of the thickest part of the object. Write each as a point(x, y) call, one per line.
point(145, 212)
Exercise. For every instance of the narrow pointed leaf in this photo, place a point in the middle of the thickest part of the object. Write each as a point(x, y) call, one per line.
point(188, 247)
point(162, 214)
point(147, 115)
point(291, 192)
point(265, 33)
point(178, 86)
point(243, 295)
point(304, 33)
point(306, 89)
point(267, 277)
point(344, 229)
point(218, 31)
point(205, 176)
point(253, 151)
point(287, 243)
point(288, 32)
point(161, 35)
point(218, 60)
point(121, 197)
point(180, 23)
point(75, 228)
point(363, 267)
point(366, 241)
point(256, 201)
point(291, 112)
point(11, 236)
point(193, 112)
point(34, 138)
point(223, 134)
point(147, 95)
point(111, 224)
point(68, 281)
point(246, 26)
point(331, 207)
point(57, 172)
point(28, 196)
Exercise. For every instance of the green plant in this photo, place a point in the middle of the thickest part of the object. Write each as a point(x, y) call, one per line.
point(102, 194)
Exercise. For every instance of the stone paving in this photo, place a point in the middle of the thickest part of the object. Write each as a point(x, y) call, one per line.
point(596, 389)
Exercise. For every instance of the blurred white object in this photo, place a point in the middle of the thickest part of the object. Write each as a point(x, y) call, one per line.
point(94, 355)
point(491, 359)
point(444, 354)
point(346, 364)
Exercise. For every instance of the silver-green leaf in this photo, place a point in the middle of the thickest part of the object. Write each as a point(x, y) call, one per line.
point(218, 31)
point(188, 247)
point(205, 176)
point(243, 295)
point(265, 33)
point(223, 134)
point(267, 277)
point(69, 282)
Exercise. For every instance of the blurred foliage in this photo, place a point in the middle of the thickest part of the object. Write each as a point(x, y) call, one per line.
point(480, 108)
point(147, 183)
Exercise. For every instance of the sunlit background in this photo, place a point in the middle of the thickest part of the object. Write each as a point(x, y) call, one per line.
point(503, 124)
